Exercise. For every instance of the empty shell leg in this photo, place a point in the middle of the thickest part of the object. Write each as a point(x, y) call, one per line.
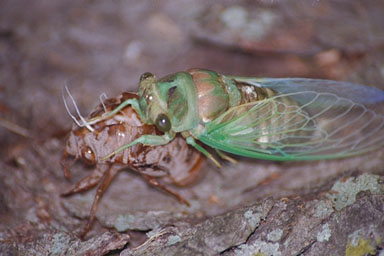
point(87, 183)
point(106, 181)
point(152, 181)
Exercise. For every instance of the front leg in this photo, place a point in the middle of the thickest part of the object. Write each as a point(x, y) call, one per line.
point(147, 140)
point(133, 102)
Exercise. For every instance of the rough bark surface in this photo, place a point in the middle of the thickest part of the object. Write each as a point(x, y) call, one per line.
point(252, 208)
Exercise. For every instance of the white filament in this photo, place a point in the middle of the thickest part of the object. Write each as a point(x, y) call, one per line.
point(82, 122)
point(103, 97)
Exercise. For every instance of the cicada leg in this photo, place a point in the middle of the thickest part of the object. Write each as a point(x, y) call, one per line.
point(193, 174)
point(226, 157)
point(107, 179)
point(152, 181)
point(147, 140)
point(87, 123)
point(133, 102)
point(191, 141)
point(65, 165)
point(87, 183)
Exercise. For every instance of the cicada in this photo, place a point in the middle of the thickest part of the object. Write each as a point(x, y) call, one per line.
point(174, 163)
point(285, 119)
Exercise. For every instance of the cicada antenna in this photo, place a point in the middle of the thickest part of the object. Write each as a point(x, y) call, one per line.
point(82, 119)
point(103, 97)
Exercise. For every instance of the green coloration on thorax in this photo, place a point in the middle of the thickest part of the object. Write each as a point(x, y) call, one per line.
point(234, 93)
point(175, 96)
point(192, 97)
point(217, 93)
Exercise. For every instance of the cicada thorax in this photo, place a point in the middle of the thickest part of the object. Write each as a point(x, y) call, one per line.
point(213, 98)
point(216, 94)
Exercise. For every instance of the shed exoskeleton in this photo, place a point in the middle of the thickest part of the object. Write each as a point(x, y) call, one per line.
point(173, 163)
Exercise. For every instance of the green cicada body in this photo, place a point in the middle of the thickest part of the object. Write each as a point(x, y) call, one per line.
point(266, 118)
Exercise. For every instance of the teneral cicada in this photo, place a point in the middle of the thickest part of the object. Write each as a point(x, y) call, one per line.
point(174, 163)
point(267, 118)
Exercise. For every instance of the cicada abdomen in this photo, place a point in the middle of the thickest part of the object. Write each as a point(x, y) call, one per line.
point(276, 118)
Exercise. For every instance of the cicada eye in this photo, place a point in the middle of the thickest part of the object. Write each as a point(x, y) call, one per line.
point(88, 155)
point(162, 123)
point(145, 76)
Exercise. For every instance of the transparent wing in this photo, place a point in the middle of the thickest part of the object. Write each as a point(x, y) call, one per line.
point(306, 119)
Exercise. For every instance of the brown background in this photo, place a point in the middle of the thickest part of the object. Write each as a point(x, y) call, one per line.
point(104, 46)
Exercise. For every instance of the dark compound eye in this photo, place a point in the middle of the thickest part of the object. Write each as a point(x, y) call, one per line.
point(162, 123)
point(145, 76)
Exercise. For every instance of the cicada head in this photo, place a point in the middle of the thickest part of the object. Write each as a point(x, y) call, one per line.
point(146, 86)
point(170, 102)
point(78, 146)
